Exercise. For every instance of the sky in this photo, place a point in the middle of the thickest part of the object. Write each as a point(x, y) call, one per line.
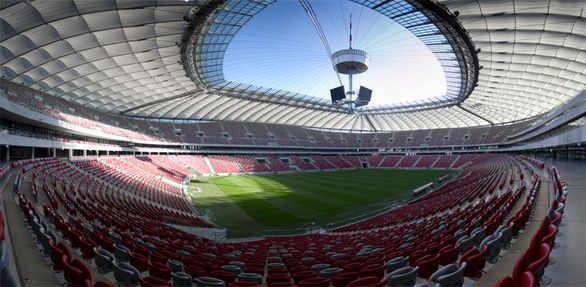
point(279, 48)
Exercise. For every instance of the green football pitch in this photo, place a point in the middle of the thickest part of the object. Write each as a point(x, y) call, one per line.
point(248, 205)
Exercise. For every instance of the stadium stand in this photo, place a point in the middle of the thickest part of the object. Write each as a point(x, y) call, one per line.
point(322, 163)
point(427, 161)
point(276, 165)
point(223, 164)
point(237, 133)
point(391, 161)
point(375, 161)
point(196, 162)
point(408, 161)
point(445, 161)
point(249, 164)
point(87, 223)
point(123, 133)
point(338, 161)
point(303, 164)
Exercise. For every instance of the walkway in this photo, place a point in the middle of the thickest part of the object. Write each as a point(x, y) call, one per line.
point(32, 267)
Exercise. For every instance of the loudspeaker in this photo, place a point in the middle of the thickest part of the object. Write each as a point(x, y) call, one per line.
point(337, 94)
point(364, 94)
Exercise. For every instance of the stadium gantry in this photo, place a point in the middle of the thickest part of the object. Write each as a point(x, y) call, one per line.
point(129, 157)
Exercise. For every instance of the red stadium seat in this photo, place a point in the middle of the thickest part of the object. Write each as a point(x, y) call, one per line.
point(556, 219)
point(314, 282)
point(427, 265)
point(278, 277)
point(87, 248)
point(550, 234)
point(195, 271)
point(227, 276)
point(522, 264)
point(159, 258)
point(344, 278)
point(150, 281)
point(475, 261)
point(300, 275)
point(377, 270)
point(369, 281)
point(160, 271)
point(354, 266)
point(57, 253)
point(541, 260)
point(76, 272)
point(139, 262)
point(448, 254)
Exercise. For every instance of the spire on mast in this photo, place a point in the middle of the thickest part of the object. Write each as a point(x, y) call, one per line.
point(350, 30)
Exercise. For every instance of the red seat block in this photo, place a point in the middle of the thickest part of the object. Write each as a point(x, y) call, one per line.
point(279, 277)
point(541, 260)
point(377, 270)
point(57, 253)
point(475, 260)
point(369, 281)
point(150, 281)
point(160, 271)
point(427, 265)
point(227, 276)
point(344, 278)
point(195, 271)
point(76, 272)
point(87, 248)
point(314, 282)
point(448, 254)
point(301, 275)
point(140, 262)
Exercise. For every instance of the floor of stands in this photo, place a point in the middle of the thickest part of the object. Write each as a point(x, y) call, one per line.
point(31, 266)
point(569, 251)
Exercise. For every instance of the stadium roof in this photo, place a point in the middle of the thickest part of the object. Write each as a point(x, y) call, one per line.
point(126, 57)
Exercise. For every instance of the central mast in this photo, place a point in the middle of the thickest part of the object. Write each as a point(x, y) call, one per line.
point(350, 62)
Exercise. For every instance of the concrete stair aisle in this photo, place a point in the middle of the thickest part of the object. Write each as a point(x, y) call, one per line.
point(209, 164)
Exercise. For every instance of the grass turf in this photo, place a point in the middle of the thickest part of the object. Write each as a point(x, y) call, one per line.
point(254, 202)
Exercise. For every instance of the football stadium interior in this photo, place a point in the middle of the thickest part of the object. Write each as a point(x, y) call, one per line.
point(292, 143)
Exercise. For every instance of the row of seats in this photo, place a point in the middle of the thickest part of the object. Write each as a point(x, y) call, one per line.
point(530, 266)
point(61, 138)
point(75, 114)
point(137, 182)
point(75, 271)
point(471, 184)
point(259, 134)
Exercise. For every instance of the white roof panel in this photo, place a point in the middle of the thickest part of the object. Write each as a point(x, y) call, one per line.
point(117, 55)
point(22, 17)
point(70, 27)
point(55, 10)
point(90, 6)
point(102, 20)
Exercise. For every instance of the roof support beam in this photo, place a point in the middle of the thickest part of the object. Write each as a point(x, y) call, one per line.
point(475, 114)
point(370, 124)
point(159, 101)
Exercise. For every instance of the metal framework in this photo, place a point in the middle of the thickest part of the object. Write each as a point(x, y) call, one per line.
point(125, 56)
point(431, 22)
